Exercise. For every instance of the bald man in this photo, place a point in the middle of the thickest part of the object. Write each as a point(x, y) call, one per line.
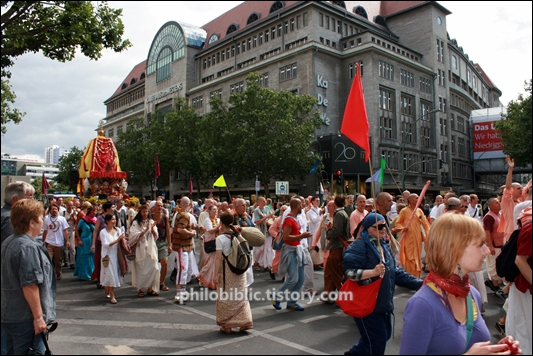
point(412, 236)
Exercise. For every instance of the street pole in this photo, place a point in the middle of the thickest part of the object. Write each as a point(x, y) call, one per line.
point(402, 147)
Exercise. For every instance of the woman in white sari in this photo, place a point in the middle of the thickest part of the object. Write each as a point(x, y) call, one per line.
point(145, 268)
point(211, 224)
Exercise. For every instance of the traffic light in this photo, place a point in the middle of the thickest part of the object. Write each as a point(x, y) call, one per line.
point(338, 176)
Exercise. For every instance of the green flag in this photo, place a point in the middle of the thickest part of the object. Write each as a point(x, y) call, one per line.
point(382, 171)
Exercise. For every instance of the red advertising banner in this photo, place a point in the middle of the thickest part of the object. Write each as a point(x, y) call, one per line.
point(485, 137)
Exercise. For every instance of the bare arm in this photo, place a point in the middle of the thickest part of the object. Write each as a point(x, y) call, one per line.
point(45, 233)
point(287, 237)
point(95, 233)
point(490, 244)
point(510, 166)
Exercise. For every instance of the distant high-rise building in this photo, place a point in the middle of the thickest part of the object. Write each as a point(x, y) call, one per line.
point(52, 153)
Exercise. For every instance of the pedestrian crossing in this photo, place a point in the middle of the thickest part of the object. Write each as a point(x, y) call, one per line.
point(89, 324)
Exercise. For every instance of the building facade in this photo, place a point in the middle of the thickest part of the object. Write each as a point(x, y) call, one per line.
point(53, 153)
point(419, 84)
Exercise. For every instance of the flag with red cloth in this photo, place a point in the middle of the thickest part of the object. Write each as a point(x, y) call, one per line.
point(44, 185)
point(355, 121)
point(157, 168)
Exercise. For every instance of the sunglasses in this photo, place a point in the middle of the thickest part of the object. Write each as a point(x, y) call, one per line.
point(379, 226)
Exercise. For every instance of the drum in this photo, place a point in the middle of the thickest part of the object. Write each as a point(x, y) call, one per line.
point(253, 235)
point(269, 222)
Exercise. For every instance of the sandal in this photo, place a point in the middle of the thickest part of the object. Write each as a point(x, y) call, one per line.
point(244, 328)
point(163, 287)
point(152, 293)
point(113, 301)
point(226, 330)
point(141, 294)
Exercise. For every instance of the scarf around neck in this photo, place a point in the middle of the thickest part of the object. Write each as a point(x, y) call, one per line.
point(453, 285)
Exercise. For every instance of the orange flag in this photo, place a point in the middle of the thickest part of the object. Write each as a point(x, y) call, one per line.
point(355, 121)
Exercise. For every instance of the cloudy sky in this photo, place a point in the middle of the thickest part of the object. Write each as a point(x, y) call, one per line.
point(64, 101)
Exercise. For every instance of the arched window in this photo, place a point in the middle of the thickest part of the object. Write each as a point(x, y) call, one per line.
point(164, 64)
point(133, 81)
point(339, 3)
point(277, 5)
point(124, 85)
point(232, 28)
point(252, 18)
point(142, 76)
point(171, 40)
point(359, 10)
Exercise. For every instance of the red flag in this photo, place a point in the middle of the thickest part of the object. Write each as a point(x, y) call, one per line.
point(355, 121)
point(157, 169)
point(190, 187)
point(44, 185)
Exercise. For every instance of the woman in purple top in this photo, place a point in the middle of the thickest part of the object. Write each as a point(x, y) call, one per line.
point(436, 317)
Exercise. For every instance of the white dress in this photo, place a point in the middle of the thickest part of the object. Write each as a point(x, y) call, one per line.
point(145, 272)
point(110, 275)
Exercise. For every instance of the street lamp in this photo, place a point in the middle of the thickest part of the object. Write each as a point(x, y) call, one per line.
point(402, 148)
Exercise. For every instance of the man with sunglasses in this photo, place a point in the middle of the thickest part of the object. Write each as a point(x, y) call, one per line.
point(413, 233)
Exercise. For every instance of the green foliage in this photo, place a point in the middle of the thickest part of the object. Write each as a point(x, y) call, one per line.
point(67, 163)
point(9, 114)
point(38, 185)
point(266, 133)
point(137, 147)
point(58, 29)
point(515, 129)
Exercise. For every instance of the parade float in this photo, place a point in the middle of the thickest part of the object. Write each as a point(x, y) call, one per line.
point(99, 173)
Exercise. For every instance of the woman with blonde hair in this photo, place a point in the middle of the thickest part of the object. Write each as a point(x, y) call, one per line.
point(444, 316)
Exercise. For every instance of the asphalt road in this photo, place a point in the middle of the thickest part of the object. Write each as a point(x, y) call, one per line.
point(90, 325)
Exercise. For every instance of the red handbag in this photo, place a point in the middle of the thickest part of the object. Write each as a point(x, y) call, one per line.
point(356, 300)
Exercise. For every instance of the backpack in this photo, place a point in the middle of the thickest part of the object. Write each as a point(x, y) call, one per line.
point(277, 242)
point(505, 262)
point(240, 257)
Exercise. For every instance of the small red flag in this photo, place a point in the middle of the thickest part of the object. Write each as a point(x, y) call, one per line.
point(44, 185)
point(355, 121)
point(190, 187)
point(157, 169)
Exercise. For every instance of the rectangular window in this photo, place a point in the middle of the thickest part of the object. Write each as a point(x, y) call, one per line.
point(292, 24)
point(327, 22)
point(260, 39)
point(440, 51)
point(407, 111)
point(273, 29)
point(386, 70)
point(305, 19)
point(407, 78)
point(454, 62)
point(267, 34)
point(387, 120)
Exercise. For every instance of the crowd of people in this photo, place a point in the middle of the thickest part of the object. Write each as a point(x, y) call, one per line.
point(354, 237)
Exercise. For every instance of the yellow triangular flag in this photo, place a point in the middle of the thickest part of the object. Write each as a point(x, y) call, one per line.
point(220, 182)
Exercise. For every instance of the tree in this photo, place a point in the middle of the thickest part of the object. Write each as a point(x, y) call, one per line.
point(58, 29)
point(266, 133)
point(137, 147)
point(9, 114)
point(182, 142)
point(515, 129)
point(67, 164)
